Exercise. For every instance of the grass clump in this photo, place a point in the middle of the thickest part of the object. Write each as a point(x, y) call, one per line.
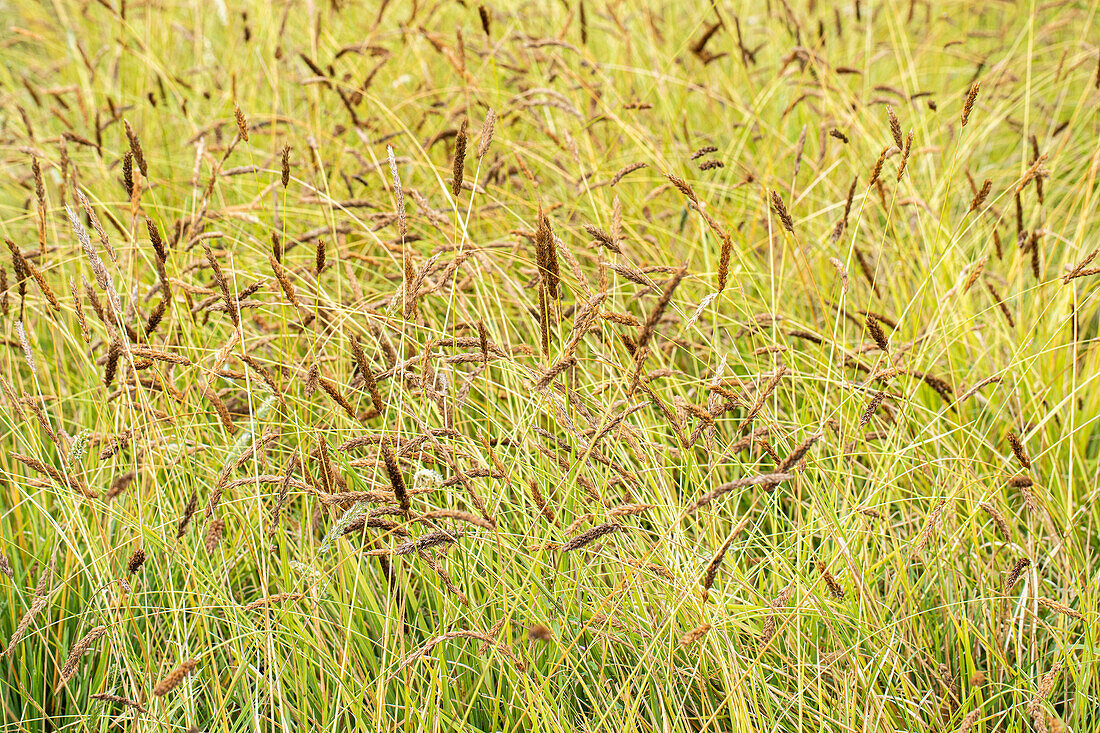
point(583, 366)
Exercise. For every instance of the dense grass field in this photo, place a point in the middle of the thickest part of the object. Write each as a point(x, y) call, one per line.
point(601, 365)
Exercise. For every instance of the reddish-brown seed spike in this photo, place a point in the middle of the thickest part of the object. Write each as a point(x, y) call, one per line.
point(869, 411)
point(459, 163)
point(875, 329)
point(980, 197)
point(188, 513)
point(173, 680)
point(895, 127)
point(1018, 449)
point(878, 166)
point(716, 561)
point(242, 123)
point(137, 153)
point(319, 265)
point(969, 104)
point(835, 588)
point(547, 256)
point(483, 12)
point(997, 517)
point(393, 472)
point(136, 561)
point(780, 210)
point(905, 155)
point(590, 536)
point(681, 185)
point(156, 241)
point(1013, 575)
point(286, 166)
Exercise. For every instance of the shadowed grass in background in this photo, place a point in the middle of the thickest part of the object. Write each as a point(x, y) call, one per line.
point(600, 365)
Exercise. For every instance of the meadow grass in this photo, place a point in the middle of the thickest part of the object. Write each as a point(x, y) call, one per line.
point(571, 366)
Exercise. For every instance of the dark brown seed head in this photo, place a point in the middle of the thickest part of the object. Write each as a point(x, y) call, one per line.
point(459, 161)
point(875, 329)
point(1018, 449)
point(157, 242)
point(590, 536)
point(1014, 573)
point(546, 254)
point(188, 512)
point(286, 165)
point(135, 150)
point(128, 172)
point(969, 104)
point(393, 471)
point(781, 211)
point(242, 123)
point(483, 13)
point(979, 198)
point(319, 264)
point(136, 561)
point(681, 186)
point(895, 127)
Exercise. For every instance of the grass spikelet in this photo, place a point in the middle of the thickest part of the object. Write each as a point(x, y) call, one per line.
point(589, 536)
point(137, 153)
point(215, 528)
point(274, 599)
point(398, 195)
point(137, 560)
point(39, 602)
point(489, 127)
point(625, 171)
point(242, 123)
point(188, 513)
point(716, 562)
point(393, 472)
point(877, 170)
point(768, 481)
point(1018, 450)
point(967, 723)
point(542, 504)
point(175, 677)
point(905, 155)
point(118, 699)
point(872, 405)
point(968, 105)
point(459, 160)
point(835, 589)
point(1063, 609)
point(681, 186)
point(1013, 575)
point(694, 635)
point(895, 127)
point(874, 327)
point(284, 178)
point(82, 647)
point(780, 210)
point(930, 526)
point(981, 195)
point(439, 538)
point(798, 453)
point(998, 519)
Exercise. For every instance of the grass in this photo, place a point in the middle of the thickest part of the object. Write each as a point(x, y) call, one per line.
point(584, 487)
